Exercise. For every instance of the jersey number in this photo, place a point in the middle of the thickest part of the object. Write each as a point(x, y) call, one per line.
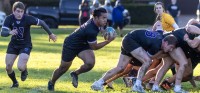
point(20, 31)
point(151, 34)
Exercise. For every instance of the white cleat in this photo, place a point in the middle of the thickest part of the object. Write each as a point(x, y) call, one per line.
point(181, 91)
point(156, 89)
point(139, 89)
point(97, 86)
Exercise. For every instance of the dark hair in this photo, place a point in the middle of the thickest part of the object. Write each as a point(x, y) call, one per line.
point(19, 5)
point(97, 12)
point(171, 39)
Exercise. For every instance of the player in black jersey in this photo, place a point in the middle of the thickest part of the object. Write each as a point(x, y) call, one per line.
point(142, 45)
point(81, 43)
point(191, 51)
point(18, 25)
point(186, 74)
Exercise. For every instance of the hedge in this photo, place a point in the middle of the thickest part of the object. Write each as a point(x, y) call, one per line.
point(141, 14)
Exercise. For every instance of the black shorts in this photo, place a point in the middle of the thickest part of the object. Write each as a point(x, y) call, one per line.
point(118, 24)
point(129, 44)
point(68, 54)
point(18, 49)
point(195, 58)
point(134, 61)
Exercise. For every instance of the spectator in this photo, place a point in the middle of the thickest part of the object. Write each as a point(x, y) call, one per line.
point(84, 14)
point(174, 10)
point(95, 5)
point(117, 16)
point(109, 10)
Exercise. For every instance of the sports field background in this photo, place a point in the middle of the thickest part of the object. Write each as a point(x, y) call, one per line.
point(45, 58)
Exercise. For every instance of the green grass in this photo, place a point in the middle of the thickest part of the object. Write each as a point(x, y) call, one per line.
point(45, 58)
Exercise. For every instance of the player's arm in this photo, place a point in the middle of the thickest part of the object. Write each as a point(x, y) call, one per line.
point(179, 56)
point(192, 21)
point(96, 46)
point(46, 28)
point(5, 30)
point(193, 29)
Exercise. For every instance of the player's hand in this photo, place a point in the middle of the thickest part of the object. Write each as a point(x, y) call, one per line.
point(112, 38)
point(52, 37)
point(186, 37)
point(13, 32)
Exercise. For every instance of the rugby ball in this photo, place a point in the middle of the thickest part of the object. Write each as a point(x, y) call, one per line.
point(109, 33)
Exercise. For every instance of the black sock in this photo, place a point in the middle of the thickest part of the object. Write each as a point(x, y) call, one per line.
point(12, 77)
point(25, 71)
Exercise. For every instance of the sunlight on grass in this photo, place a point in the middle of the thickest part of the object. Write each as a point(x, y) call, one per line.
point(46, 56)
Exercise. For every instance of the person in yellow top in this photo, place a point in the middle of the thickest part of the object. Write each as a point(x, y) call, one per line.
point(167, 20)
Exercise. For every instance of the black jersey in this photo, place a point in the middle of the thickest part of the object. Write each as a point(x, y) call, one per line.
point(179, 34)
point(148, 40)
point(85, 34)
point(23, 28)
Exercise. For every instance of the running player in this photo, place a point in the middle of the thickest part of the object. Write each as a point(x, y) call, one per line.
point(81, 43)
point(18, 25)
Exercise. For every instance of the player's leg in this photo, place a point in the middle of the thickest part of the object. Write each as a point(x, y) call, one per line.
point(179, 56)
point(122, 63)
point(167, 62)
point(88, 58)
point(22, 65)
point(143, 57)
point(68, 56)
point(152, 72)
point(22, 61)
point(10, 58)
point(126, 71)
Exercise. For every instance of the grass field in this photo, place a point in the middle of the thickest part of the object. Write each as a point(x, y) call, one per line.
point(45, 57)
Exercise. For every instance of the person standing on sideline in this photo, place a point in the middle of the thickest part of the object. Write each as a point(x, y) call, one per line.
point(174, 10)
point(109, 9)
point(81, 43)
point(117, 16)
point(84, 14)
point(18, 25)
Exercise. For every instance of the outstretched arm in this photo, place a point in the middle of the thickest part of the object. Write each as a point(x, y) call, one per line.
point(46, 28)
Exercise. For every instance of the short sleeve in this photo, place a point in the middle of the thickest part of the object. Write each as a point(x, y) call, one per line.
point(32, 20)
point(91, 37)
point(169, 19)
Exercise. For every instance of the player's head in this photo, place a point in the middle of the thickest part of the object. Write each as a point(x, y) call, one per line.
point(18, 9)
point(100, 16)
point(159, 8)
point(169, 43)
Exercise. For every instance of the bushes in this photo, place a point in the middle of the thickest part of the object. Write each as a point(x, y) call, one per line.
point(38, 2)
point(141, 14)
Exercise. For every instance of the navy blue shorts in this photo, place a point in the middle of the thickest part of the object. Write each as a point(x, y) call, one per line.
point(134, 61)
point(18, 49)
point(68, 54)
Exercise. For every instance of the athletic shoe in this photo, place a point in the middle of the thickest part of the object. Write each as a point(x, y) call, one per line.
point(181, 91)
point(110, 86)
point(74, 79)
point(24, 75)
point(166, 85)
point(125, 79)
point(97, 86)
point(137, 88)
point(50, 86)
point(156, 89)
point(15, 85)
point(149, 86)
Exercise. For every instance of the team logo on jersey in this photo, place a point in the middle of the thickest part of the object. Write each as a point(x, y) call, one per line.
point(18, 22)
point(152, 34)
point(26, 49)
